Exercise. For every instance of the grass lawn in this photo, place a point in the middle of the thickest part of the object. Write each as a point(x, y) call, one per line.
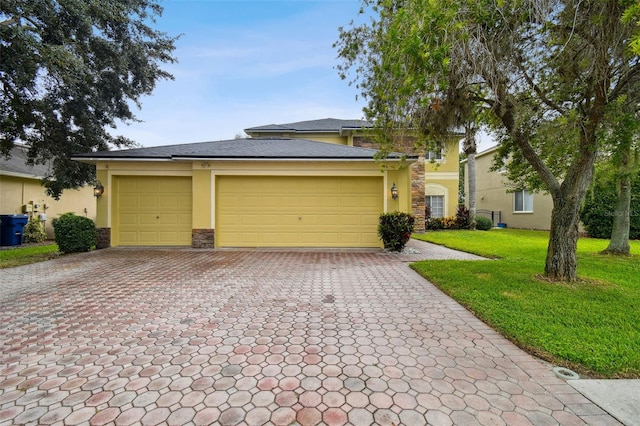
point(26, 255)
point(592, 326)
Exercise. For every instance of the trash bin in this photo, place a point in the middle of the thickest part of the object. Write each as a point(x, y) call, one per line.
point(11, 226)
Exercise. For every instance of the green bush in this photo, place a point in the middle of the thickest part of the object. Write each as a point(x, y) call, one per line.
point(483, 223)
point(435, 223)
point(394, 229)
point(74, 233)
point(599, 208)
point(33, 232)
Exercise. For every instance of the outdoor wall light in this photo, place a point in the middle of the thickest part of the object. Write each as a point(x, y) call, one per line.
point(98, 190)
point(394, 191)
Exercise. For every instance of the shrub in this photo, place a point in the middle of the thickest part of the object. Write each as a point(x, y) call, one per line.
point(33, 232)
point(74, 233)
point(599, 208)
point(435, 223)
point(394, 229)
point(463, 218)
point(483, 223)
point(450, 222)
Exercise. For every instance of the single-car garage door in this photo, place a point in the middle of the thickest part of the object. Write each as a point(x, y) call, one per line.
point(310, 211)
point(152, 210)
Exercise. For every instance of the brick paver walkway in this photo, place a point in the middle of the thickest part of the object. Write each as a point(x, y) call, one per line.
point(259, 337)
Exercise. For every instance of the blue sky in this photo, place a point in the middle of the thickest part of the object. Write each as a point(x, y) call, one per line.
point(244, 64)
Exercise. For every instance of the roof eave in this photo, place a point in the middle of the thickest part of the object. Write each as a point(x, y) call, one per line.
point(301, 159)
point(20, 175)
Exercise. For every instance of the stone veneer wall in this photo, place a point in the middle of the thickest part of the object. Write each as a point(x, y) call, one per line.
point(418, 208)
point(203, 238)
point(103, 238)
point(417, 177)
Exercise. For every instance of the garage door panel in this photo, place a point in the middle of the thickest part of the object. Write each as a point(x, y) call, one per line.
point(249, 202)
point(168, 219)
point(147, 201)
point(128, 219)
point(298, 211)
point(153, 210)
point(128, 237)
point(169, 202)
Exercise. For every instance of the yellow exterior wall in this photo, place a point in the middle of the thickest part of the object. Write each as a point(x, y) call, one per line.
point(17, 191)
point(320, 137)
point(442, 176)
point(202, 192)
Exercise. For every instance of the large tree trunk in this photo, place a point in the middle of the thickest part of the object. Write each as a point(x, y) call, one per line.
point(562, 260)
point(619, 243)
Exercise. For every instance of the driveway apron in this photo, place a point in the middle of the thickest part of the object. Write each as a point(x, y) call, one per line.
point(180, 336)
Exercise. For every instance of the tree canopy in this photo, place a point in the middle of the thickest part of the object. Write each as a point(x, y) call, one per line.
point(70, 71)
point(541, 73)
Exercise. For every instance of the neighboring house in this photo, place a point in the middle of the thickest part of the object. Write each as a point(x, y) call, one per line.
point(517, 209)
point(21, 192)
point(258, 192)
point(434, 181)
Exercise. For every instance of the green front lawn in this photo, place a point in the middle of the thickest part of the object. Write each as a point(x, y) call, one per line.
point(592, 326)
point(26, 255)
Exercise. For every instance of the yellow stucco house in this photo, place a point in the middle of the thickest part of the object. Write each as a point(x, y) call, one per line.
point(21, 192)
point(435, 175)
point(255, 192)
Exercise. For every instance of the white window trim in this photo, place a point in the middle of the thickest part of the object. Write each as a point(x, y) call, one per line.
point(442, 159)
point(524, 191)
point(444, 207)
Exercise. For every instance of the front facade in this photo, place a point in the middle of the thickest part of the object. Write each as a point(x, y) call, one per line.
point(21, 192)
point(434, 176)
point(515, 209)
point(272, 192)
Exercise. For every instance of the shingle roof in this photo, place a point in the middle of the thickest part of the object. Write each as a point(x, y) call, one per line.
point(16, 165)
point(322, 125)
point(260, 148)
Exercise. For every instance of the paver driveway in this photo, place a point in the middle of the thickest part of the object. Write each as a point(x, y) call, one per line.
point(258, 337)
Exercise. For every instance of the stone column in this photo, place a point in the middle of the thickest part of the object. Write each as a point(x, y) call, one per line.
point(103, 238)
point(417, 194)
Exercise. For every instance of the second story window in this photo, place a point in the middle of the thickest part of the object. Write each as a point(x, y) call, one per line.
point(434, 155)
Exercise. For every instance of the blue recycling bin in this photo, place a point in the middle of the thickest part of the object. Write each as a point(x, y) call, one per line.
point(11, 226)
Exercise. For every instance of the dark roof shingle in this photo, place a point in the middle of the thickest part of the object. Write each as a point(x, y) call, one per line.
point(17, 165)
point(322, 125)
point(261, 148)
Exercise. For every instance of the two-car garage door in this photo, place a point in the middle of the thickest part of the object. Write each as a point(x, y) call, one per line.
point(300, 211)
